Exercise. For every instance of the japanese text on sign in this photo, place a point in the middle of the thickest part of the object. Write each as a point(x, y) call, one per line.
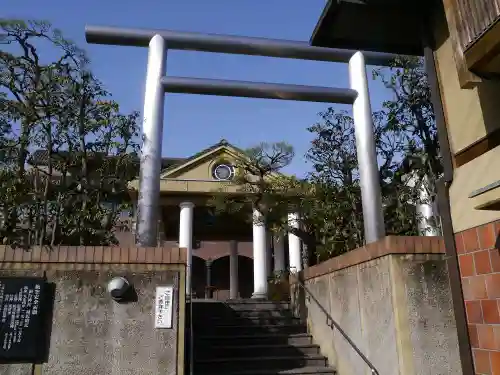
point(164, 306)
point(20, 300)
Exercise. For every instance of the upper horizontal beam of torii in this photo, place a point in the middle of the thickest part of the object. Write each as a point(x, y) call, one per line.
point(189, 41)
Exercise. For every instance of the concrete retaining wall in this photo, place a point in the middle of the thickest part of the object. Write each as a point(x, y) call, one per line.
point(92, 334)
point(393, 300)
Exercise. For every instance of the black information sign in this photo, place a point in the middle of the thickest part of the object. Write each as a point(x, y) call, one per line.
point(21, 323)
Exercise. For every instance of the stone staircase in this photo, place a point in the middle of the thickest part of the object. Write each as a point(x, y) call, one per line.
point(249, 337)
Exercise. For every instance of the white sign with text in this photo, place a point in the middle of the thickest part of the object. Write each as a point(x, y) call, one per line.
point(164, 306)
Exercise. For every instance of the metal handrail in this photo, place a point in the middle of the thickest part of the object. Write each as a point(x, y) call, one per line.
point(331, 323)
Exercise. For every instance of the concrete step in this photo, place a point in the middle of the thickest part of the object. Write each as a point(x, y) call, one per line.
point(258, 363)
point(210, 351)
point(206, 310)
point(251, 301)
point(296, 371)
point(240, 302)
point(248, 329)
point(252, 321)
point(202, 315)
point(251, 304)
point(254, 339)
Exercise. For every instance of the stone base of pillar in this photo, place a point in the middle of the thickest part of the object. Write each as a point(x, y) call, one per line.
point(259, 296)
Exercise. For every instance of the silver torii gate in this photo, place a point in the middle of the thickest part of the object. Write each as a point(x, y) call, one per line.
point(157, 84)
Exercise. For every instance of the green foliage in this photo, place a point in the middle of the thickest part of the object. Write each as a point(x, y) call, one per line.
point(329, 199)
point(411, 114)
point(258, 183)
point(67, 150)
point(407, 148)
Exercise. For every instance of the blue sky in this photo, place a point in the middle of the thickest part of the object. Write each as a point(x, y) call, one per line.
point(195, 122)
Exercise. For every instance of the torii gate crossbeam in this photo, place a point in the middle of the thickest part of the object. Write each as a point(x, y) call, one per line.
point(246, 89)
point(158, 41)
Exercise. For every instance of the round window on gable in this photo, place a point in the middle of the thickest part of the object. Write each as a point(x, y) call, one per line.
point(223, 171)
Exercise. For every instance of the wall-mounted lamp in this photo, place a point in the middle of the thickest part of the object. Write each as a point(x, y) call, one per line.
point(119, 288)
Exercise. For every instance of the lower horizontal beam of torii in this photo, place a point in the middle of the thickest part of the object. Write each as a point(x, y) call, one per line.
point(246, 89)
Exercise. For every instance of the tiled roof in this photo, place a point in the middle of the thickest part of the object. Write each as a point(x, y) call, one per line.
point(222, 142)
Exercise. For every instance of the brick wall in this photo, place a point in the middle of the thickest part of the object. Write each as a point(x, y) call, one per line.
point(94, 255)
point(479, 260)
point(388, 245)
